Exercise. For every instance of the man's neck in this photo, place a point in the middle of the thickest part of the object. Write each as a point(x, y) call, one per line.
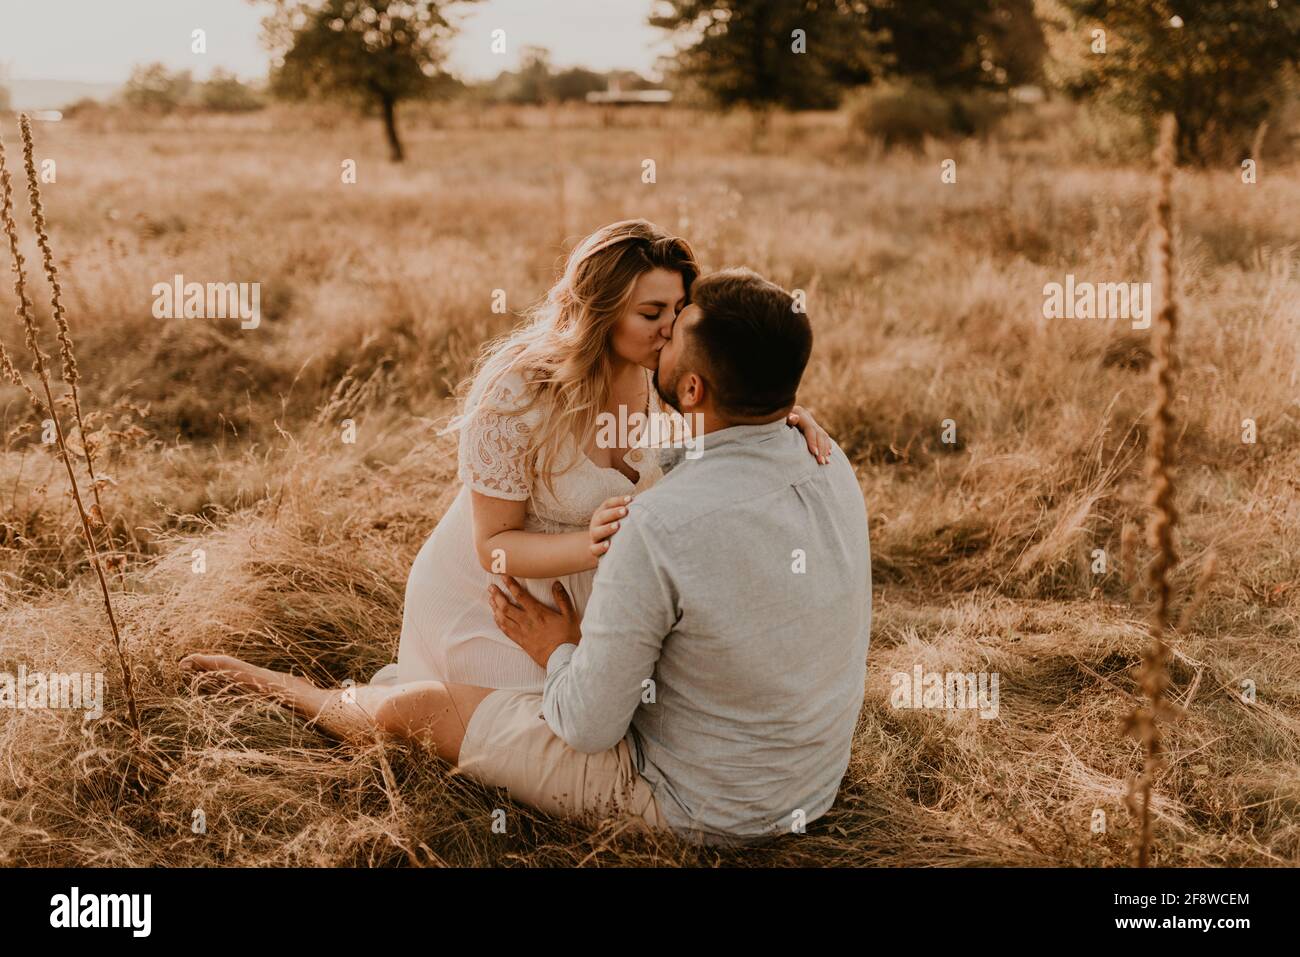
point(711, 421)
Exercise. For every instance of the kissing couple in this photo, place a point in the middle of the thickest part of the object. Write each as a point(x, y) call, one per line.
point(608, 628)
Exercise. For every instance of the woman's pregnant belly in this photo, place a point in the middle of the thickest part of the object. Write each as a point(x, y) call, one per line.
point(448, 633)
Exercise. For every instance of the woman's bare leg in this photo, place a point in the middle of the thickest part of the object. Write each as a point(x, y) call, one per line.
point(432, 712)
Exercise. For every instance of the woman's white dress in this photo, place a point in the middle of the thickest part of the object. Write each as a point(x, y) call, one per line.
point(447, 629)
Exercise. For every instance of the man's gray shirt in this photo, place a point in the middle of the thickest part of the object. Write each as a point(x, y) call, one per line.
point(726, 636)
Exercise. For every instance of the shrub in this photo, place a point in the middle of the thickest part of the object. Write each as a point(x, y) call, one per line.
point(904, 113)
point(225, 93)
point(153, 88)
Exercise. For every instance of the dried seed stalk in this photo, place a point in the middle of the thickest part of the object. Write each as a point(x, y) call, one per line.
point(40, 367)
point(1153, 677)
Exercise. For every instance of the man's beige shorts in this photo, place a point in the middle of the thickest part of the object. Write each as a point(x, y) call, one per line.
point(509, 744)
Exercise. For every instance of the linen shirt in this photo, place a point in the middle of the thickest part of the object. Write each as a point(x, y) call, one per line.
point(726, 636)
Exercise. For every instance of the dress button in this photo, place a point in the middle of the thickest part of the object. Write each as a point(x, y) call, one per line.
point(635, 456)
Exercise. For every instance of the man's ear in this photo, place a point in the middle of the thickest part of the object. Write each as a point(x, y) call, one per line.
point(690, 391)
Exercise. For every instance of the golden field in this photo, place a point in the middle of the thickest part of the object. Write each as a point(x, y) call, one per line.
point(926, 300)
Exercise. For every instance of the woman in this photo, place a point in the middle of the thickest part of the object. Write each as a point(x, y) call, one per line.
point(543, 488)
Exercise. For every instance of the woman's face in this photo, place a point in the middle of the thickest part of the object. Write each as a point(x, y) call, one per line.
point(639, 334)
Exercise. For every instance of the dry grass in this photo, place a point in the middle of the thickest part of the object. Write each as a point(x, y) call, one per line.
point(926, 301)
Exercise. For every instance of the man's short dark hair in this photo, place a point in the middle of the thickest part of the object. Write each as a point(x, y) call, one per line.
point(750, 341)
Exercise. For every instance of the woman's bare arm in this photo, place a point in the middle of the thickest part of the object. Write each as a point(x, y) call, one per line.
point(504, 548)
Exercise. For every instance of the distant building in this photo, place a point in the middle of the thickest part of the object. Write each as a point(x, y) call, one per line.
point(617, 96)
point(1028, 94)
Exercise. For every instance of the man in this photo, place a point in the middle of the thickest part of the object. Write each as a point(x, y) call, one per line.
point(715, 680)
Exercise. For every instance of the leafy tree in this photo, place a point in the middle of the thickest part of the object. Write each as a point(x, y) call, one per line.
point(629, 80)
point(576, 83)
point(376, 51)
point(992, 43)
point(747, 52)
point(4, 99)
point(741, 51)
point(155, 89)
point(532, 84)
point(1215, 64)
point(535, 82)
point(1019, 41)
point(224, 92)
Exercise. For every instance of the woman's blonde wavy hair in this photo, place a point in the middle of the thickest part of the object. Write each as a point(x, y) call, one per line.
point(562, 349)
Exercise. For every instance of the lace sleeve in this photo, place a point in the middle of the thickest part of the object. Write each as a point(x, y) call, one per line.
point(493, 439)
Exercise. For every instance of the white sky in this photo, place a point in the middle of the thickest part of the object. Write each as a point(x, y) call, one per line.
point(100, 40)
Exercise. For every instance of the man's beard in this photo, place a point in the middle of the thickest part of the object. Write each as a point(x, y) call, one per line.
point(668, 398)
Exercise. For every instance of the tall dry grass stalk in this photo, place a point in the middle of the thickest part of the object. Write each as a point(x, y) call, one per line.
point(1257, 145)
point(10, 372)
point(26, 313)
point(1153, 677)
point(66, 355)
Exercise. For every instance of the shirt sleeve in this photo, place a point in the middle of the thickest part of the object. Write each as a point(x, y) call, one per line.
point(494, 437)
point(593, 689)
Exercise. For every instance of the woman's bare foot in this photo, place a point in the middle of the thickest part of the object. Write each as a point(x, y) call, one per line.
point(429, 710)
point(336, 711)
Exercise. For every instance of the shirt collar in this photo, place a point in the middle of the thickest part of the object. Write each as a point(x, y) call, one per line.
point(743, 434)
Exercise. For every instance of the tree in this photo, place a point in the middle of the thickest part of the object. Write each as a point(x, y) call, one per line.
point(532, 84)
point(960, 43)
point(224, 93)
point(1019, 41)
point(376, 51)
point(575, 83)
point(153, 88)
point(536, 83)
point(766, 53)
point(744, 51)
point(1215, 64)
